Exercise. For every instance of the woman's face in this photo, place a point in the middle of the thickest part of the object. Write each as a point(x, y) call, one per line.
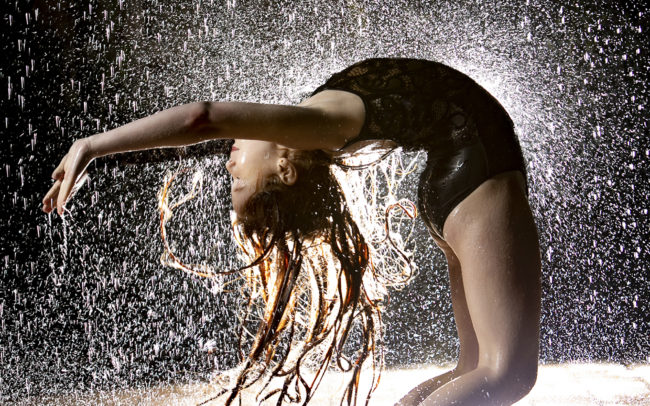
point(250, 163)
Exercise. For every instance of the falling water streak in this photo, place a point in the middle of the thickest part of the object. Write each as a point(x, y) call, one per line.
point(570, 75)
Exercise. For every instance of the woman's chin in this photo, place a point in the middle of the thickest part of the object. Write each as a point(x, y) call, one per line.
point(238, 211)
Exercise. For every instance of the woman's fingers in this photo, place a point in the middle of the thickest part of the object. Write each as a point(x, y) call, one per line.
point(58, 172)
point(74, 170)
point(64, 191)
point(49, 201)
point(68, 176)
point(55, 195)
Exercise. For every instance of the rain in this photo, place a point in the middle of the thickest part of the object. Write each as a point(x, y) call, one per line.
point(86, 306)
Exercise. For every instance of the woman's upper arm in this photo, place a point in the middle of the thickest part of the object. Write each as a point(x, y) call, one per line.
point(325, 121)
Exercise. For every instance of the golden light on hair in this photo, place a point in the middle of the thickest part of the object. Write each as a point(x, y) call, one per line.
point(315, 296)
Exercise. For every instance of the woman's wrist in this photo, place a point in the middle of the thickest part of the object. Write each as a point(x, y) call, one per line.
point(93, 146)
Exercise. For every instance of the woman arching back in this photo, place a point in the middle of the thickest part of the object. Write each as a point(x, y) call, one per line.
point(472, 196)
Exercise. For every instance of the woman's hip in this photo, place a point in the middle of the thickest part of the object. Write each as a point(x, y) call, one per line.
point(451, 176)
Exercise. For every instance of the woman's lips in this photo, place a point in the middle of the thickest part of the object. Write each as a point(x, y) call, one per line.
point(234, 148)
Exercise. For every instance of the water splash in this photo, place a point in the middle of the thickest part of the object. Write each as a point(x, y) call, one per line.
point(571, 75)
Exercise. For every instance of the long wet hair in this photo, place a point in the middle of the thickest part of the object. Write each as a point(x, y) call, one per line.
point(283, 225)
point(305, 288)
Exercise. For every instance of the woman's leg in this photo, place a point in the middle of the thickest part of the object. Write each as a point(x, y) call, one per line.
point(493, 234)
point(468, 358)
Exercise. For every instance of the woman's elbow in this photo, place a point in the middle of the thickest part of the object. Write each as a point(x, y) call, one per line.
point(203, 119)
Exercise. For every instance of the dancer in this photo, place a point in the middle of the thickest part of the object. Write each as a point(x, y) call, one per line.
point(472, 196)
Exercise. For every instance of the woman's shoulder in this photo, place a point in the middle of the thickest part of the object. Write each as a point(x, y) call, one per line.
point(345, 108)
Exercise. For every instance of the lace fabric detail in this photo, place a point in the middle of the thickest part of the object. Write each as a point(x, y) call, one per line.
point(418, 104)
point(425, 105)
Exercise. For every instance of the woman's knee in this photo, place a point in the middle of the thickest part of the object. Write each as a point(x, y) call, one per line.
point(514, 380)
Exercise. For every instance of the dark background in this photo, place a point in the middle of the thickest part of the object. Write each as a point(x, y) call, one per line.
point(85, 302)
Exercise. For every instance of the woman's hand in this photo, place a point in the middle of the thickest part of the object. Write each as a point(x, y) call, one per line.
point(68, 176)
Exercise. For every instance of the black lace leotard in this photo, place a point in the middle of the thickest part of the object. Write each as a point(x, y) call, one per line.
point(422, 104)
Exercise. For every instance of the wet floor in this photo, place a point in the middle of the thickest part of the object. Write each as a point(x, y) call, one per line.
point(558, 384)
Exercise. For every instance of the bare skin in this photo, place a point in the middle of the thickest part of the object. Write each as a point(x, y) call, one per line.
point(324, 121)
point(468, 357)
point(490, 239)
point(492, 249)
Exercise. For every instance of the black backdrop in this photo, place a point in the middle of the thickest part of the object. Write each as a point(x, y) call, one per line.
point(86, 303)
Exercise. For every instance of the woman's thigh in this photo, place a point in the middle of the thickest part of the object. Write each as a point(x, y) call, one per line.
point(468, 358)
point(493, 234)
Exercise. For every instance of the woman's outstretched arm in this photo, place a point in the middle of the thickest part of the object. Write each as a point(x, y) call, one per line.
point(324, 121)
